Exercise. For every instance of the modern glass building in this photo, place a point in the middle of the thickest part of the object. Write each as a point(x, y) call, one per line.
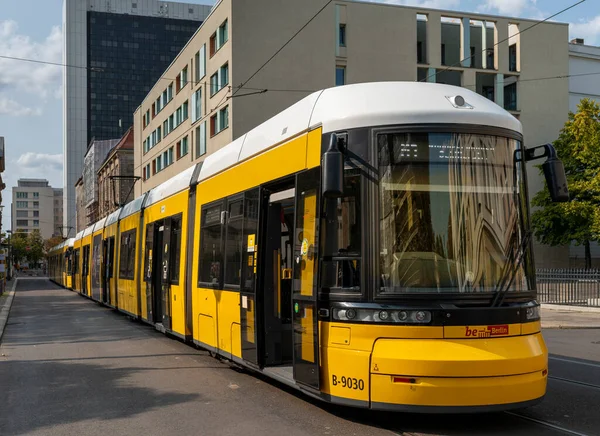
point(117, 50)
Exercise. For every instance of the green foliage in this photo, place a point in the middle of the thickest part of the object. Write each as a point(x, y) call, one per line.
point(578, 146)
point(27, 247)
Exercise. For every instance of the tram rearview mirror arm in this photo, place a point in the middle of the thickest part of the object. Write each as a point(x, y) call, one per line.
point(554, 172)
point(332, 167)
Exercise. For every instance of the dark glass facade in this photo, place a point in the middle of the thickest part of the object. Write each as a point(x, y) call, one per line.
point(126, 56)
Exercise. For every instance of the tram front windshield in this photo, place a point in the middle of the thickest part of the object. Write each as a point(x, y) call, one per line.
point(453, 213)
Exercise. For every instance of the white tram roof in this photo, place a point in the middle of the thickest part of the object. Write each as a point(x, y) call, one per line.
point(112, 218)
point(69, 242)
point(363, 105)
point(79, 235)
point(99, 225)
point(88, 231)
point(132, 207)
point(174, 185)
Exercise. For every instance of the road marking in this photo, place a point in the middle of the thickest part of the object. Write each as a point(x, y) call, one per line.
point(595, 365)
point(547, 424)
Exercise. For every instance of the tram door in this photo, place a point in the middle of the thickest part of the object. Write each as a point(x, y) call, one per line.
point(156, 273)
point(85, 269)
point(276, 260)
point(305, 293)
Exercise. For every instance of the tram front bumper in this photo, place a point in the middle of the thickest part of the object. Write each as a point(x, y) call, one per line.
point(461, 374)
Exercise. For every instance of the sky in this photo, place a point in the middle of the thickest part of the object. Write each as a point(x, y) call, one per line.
point(31, 94)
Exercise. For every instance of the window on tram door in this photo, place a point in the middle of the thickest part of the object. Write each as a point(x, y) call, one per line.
point(452, 213)
point(211, 258)
point(341, 267)
point(75, 261)
point(175, 249)
point(233, 243)
point(86, 260)
point(249, 240)
point(127, 257)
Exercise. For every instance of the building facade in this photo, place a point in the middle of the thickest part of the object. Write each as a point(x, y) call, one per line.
point(80, 216)
point(115, 177)
point(33, 207)
point(202, 109)
point(124, 47)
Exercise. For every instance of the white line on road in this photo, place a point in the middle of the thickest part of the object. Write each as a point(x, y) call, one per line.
point(595, 365)
point(547, 424)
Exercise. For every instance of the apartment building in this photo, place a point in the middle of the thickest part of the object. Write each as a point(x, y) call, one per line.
point(198, 107)
point(35, 207)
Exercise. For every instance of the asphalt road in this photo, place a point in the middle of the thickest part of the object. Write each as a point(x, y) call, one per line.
point(71, 367)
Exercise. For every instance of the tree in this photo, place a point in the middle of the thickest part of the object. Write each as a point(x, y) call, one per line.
point(578, 220)
point(19, 246)
point(36, 247)
point(52, 242)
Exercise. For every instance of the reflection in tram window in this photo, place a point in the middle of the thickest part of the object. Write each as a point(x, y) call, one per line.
point(451, 214)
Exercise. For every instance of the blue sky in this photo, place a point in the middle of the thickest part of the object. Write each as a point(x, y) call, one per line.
point(30, 94)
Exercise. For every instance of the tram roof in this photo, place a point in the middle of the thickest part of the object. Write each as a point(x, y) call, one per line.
point(176, 184)
point(363, 105)
point(113, 217)
point(133, 206)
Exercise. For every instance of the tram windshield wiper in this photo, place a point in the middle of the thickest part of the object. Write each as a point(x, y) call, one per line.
point(511, 270)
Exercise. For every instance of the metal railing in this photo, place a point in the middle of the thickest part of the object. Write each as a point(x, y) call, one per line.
point(574, 287)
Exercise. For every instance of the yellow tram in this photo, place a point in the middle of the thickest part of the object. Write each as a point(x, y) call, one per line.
point(369, 246)
point(60, 262)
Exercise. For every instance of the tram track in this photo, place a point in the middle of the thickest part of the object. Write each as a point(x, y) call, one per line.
point(547, 424)
point(575, 382)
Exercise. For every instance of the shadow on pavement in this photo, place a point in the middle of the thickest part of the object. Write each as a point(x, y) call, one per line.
point(46, 394)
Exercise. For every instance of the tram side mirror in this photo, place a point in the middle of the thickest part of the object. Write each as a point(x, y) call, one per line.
point(332, 167)
point(554, 172)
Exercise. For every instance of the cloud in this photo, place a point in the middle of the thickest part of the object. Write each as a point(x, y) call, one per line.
point(511, 8)
point(41, 161)
point(11, 107)
point(589, 30)
point(39, 79)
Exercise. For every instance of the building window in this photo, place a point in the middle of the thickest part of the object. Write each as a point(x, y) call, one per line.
point(219, 121)
point(36, 213)
point(443, 54)
point(184, 146)
point(201, 139)
point(170, 93)
point(214, 84)
point(36, 204)
point(22, 214)
point(213, 44)
point(184, 76)
point(197, 105)
point(165, 128)
point(36, 195)
point(222, 35)
point(340, 76)
point(342, 35)
point(22, 223)
point(178, 83)
point(510, 97)
point(473, 58)
point(159, 166)
point(185, 111)
point(171, 123)
point(224, 76)
point(200, 64)
point(36, 223)
point(22, 195)
point(512, 57)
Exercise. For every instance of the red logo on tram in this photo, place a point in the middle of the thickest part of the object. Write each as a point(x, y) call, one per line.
point(487, 332)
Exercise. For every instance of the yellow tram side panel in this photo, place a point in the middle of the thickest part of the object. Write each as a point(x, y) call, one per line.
point(111, 231)
point(77, 276)
point(216, 313)
point(358, 362)
point(87, 242)
point(67, 281)
point(128, 289)
point(174, 205)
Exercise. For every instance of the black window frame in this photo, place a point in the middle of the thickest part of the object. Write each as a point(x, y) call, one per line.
point(175, 248)
point(127, 255)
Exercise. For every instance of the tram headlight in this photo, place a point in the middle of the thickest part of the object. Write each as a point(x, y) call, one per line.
point(533, 312)
point(368, 315)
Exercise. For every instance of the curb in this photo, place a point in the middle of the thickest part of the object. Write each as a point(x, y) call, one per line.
point(5, 310)
point(565, 308)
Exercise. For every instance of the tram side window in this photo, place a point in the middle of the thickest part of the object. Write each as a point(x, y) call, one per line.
point(76, 261)
point(233, 243)
point(127, 258)
point(341, 268)
point(211, 257)
point(175, 248)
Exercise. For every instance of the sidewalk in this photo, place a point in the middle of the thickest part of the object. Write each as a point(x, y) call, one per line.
point(6, 302)
point(569, 317)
